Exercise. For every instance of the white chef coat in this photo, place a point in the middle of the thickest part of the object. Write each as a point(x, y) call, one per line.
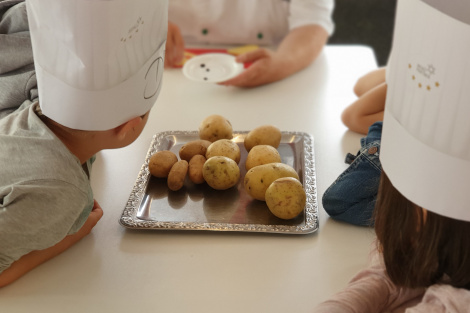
point(259, 22)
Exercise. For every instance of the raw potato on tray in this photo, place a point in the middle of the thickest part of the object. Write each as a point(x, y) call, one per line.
point(214, 159)
point(196, 164)
point(192, 148)
point(221, 172)
point(177, 175)
point(161, 162)
point(286, 198)
point(224, 147)
point(262, 154)
point(258, 179)
point(263, 135)
point(215, 127)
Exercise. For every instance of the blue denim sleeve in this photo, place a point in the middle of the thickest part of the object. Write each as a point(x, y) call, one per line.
point(352, 196)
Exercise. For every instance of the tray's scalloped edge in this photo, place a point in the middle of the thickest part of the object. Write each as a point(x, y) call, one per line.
point(129, 218)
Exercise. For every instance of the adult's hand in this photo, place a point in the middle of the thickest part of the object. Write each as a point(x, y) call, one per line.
point(267, 67)
point(296, 51)
point(174, 50)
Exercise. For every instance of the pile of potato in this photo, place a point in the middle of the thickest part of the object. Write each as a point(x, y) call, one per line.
point(214, 159)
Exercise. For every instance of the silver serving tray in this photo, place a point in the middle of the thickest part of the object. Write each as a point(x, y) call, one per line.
point(152, 205)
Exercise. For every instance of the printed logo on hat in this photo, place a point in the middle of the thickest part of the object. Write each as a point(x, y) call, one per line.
point(426, 134)
point(423, 76)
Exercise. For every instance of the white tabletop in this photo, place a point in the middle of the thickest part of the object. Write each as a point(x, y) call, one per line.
point(120, 270)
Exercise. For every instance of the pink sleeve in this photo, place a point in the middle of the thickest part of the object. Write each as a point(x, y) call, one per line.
point(441, 299)
point(369, 291)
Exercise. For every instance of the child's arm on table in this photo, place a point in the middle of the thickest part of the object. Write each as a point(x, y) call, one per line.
point(35, 258)
point(369, 81)
point(297, 50)
point(366, 110)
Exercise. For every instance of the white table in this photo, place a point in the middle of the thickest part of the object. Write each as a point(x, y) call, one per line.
point(120, 270)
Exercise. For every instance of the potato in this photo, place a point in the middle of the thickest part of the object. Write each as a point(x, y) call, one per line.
point(177, 175)
point(161, 162)
point(258, 178)
point(195, 169)
point(262, 154)
point(221, 172)
point(263, 135)
point(224, 147)
point(190, 149)
point(286, 198)
point(215, 127)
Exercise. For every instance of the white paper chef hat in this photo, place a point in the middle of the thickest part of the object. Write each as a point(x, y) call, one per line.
point(426, 136)
point(99, 63)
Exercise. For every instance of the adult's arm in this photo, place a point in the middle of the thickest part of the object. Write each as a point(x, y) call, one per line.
point(298, 49)
point(174, 49)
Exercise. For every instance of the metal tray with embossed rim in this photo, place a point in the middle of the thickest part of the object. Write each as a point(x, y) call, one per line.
point(152, 205)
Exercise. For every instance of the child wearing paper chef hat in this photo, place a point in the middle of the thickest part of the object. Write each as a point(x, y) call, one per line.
point(422, 260)
point(99, 67)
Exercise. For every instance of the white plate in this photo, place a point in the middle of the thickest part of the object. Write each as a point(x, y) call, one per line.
point(212, 68)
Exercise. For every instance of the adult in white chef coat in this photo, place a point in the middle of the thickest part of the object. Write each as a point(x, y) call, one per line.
point(297, 30)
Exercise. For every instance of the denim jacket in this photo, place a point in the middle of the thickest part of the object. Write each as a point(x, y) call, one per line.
point(352, 196)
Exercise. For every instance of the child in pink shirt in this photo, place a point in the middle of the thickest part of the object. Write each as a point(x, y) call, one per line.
point(423, 272)
point(422, 215)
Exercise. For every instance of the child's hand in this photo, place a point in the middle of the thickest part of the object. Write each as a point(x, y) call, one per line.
point(266, 67)
point(95, 215)
point(369, 81)
point(174, 50)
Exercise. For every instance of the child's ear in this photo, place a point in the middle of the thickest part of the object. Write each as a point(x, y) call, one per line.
point(122, 130)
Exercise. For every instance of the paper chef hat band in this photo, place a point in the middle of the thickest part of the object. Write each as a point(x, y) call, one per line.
point(426, 136)
point(98, 63)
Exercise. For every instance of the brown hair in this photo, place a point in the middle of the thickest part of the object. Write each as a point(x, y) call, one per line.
point(420, 249)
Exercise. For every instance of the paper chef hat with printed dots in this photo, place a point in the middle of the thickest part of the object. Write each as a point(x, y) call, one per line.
point(426, 134)
point(98, 63)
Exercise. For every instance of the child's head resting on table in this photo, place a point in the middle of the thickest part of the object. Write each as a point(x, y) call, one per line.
point(423, 205)
point(422, 212)
point(96, 90)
